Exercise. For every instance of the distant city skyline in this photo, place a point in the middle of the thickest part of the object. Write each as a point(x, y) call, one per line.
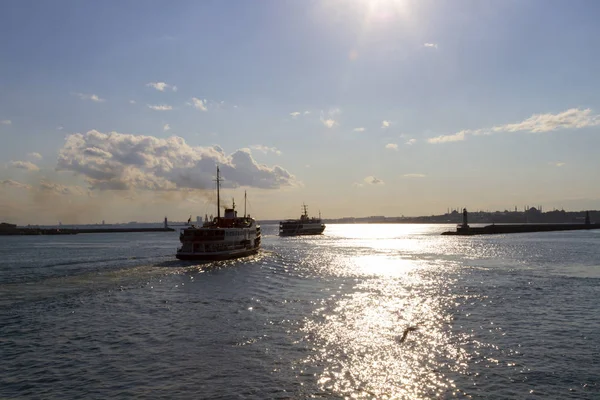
point(529, 214)
point(120, 111)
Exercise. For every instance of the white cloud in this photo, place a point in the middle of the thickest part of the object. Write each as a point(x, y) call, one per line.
point(57, 188)
point(328, 119)
point(116, 161)
point(559, 164)
point(161, 86)
point(573, 118)
point(6, 122)
point(371, 180)
point(265, 149)
point(295, 114)
point(355, 184)
point(411, 142)
point(385, 124)
point(306, 112)
point(457, 137)
point(200, 104)
point(166, 127)
point(29, 166)
point(414, 175)
point(391, 146)
point(432, 45)
point(361, 129)
point(540, 123)
point(91, 97)
point(15, 184)
point(37, 156)
point(330, 123)
point(131, 101)
point(59, 128)
point(161, 107)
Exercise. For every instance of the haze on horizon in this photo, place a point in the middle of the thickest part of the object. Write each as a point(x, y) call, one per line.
point(120, 110)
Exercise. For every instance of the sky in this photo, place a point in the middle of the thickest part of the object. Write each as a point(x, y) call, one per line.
point(121, 110)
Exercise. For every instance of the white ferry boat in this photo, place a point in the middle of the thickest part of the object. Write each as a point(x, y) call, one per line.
point(222, 238)
point(302, 226)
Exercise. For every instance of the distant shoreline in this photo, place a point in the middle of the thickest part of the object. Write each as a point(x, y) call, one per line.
point(532, 215)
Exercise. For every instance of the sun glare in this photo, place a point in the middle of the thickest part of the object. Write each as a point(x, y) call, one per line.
point(368, 11)
point(382, 10)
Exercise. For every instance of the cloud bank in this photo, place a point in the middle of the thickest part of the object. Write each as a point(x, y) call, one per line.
point(116, 161)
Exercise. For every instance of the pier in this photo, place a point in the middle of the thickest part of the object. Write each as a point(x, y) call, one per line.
point(465, 230)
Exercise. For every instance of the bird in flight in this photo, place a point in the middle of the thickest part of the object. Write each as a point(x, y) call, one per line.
point(405, 334)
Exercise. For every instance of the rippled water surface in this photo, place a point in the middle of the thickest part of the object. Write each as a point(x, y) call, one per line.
point(117, 316)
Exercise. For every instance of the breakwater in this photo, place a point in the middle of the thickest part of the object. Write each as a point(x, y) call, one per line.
point(465, 230)
point(519, 228)
point(71, 231)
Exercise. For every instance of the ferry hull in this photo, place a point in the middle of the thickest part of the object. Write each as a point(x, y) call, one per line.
point(215, 257)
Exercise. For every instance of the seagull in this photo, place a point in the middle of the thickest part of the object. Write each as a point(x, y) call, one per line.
point(409, 329)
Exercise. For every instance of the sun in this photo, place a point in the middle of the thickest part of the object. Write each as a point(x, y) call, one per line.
point(391, 8)
point(385, 8)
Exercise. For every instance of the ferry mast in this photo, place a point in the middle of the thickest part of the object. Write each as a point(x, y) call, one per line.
point(218, 180)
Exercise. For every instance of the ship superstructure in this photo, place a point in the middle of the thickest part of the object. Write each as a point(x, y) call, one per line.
point(221, 238)
point(304, 226)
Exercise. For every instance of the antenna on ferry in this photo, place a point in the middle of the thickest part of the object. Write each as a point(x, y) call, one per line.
point(218, 180)
point(244, 204)
point(233, 203)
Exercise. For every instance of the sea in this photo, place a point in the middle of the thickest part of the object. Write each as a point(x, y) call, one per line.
point(364, 311)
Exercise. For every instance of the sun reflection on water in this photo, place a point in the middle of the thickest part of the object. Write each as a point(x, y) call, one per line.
point(357, 336)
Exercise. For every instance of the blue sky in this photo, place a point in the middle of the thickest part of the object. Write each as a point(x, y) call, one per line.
point(363, 107)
